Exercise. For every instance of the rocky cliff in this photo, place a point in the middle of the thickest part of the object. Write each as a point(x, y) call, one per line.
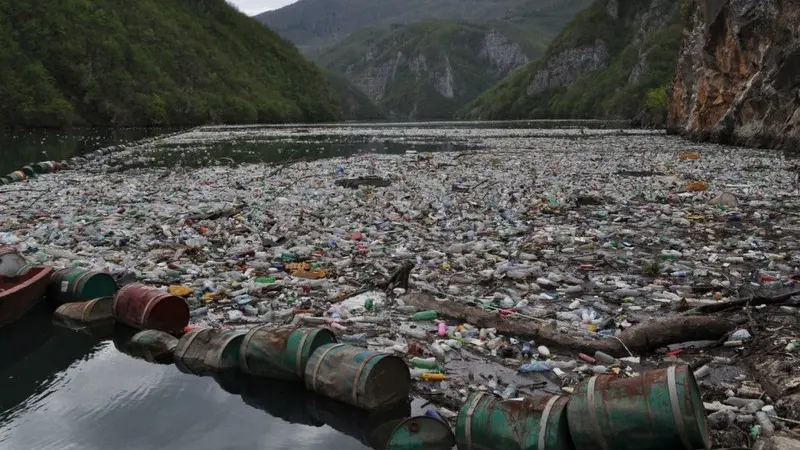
point(614, 60)
point(429, 70)
point(738, 74)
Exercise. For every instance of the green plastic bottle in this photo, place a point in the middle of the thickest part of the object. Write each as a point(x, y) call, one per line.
point(425, 363)
point(425, 315)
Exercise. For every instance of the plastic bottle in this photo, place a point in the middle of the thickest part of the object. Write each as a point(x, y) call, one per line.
point(564, 365)
point(416, 372)
point(604, 357)
point(535, 366)
point(425, 315)
point(360, 338)
point(425, 363)
point(199, 312)
point(527, 351)
point(437, 350)
point(509, 392)
point(494, 343)
point(431, 412)
point(369, 304)
point(442, 329)
point(434, 376)
point(588, 315)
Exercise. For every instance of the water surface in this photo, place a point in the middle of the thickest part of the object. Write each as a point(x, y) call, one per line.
point(63, 389)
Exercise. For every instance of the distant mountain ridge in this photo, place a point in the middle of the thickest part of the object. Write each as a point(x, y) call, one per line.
point(316, 24)
point(430, 69)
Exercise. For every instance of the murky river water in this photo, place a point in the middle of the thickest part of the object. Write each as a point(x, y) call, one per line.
point(62, 389)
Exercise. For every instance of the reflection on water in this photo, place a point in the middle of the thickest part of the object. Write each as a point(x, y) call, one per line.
point(21, 147)
point(88, 395)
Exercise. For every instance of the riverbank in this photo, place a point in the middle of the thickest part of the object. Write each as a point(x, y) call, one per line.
point(587, 234)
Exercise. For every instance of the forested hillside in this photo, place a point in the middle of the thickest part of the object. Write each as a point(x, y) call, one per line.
point(150, 62)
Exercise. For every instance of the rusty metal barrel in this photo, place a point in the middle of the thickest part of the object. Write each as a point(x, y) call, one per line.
point(145, 307)
point(421, 433)
point(75, 284)
point(91, 312)
point(46, 166)
point(17, 175)
point(29, 171)
point(659, 410)
point(358, 377)
point(281, 353)
point(531, 423)
point(206, 350)
point(150, 345)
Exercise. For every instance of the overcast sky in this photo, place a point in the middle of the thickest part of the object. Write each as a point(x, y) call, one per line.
point(251, 7)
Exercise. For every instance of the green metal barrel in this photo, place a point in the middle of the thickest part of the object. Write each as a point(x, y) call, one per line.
point(29, 170)
point(659, 410)
point(361, 378)
point(534, 423)
point(76, 284)
point(422, 433)
point(281, 353)
point(150, 345)
point(153, 345)
point(208, 350)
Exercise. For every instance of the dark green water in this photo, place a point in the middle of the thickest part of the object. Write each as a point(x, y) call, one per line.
point(21, 147)
point(63, 389)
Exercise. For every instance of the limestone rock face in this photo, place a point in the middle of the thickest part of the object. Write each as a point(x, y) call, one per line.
point(738, 75)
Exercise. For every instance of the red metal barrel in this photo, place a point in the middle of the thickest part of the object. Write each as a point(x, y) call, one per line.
point(145, 307)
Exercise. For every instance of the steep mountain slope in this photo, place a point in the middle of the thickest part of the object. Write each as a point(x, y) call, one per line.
point(150, 62)
point(430, 69)
point(314, 24)
point(738, 75)
point(615, 59)
point(355, 105)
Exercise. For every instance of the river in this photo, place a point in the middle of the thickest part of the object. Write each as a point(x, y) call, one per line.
point(64, 389)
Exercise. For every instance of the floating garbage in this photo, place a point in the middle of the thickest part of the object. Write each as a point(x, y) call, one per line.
point(663, 406)
point(421, 433)
point(93, 312)
point(76, 284)
point(208, 350)
point(149, 345)
point(519, 243)
point(537, 423)
point(145, 307)
point(281, 353)
point(358, 377)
